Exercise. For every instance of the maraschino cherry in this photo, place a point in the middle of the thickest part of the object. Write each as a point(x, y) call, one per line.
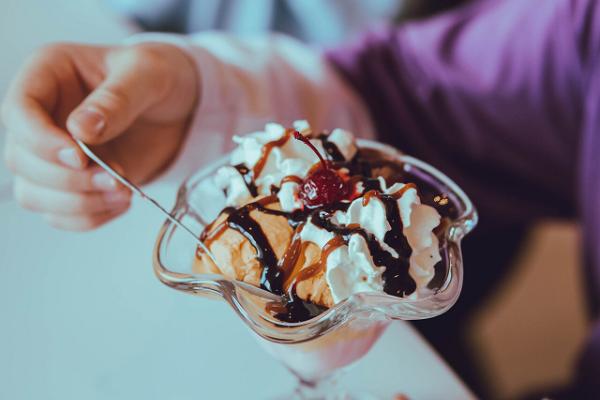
point(323, 185)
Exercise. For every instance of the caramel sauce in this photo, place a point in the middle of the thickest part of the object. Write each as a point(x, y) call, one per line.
point(397, 280)
point(367, 197)
point(288, 262)
point(403, 190)
point(292, 178)
point(281, 276)
point(214, 234)
point(291, 270)
point(275, 307)
point(248, 177)
point(266, 150)
point(318, 267)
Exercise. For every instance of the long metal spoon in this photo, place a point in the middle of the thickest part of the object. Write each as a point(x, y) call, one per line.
point(88, 152)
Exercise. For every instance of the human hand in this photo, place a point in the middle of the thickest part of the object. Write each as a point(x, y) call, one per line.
point(131, 103)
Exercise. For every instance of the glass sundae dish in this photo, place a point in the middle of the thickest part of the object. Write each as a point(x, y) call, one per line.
point(317, 241)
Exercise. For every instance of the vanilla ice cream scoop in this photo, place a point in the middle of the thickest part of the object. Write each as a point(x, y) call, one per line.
point(365, 236)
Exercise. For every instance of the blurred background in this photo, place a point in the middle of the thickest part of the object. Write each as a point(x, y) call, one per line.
point(524, 337)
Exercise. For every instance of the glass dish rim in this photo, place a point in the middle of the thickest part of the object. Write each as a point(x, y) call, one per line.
point(226, 287)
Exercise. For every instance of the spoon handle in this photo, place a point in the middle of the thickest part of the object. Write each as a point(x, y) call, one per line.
point(88, 152)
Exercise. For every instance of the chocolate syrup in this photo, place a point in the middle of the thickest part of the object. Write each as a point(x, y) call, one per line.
point(281, 276)
point(371, 163)
point(394, 237)
point(294, 218)
point(266, 150)
point(297, 310)
point(397, 280)
point(372, 184)
point(248, 177)
point(240, 220)
point(331, 149)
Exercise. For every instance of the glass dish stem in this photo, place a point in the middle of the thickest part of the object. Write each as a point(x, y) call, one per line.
point(326, 388)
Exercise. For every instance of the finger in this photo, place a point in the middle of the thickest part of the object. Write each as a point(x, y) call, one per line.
point(82, 223)
point(49, 201)
point(136, 80)
point(29, 124)
point(41, 172)
point(25, 110)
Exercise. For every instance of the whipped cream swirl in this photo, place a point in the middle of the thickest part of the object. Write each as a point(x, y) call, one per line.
point(294, 158)
point(350, 268)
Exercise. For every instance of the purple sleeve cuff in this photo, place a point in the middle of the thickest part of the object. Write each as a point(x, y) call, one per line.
point(587, 381)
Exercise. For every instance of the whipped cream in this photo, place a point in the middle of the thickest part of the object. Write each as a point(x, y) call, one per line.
point(418, 222)
point(350, 269)
point(344, 141)
point(293, 158)
point(288, 197)
point(232, 183)
point(372, 218)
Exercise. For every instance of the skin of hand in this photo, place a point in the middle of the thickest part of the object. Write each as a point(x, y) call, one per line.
point(132, 104)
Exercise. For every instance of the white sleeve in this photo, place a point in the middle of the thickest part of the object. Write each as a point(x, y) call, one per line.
point(245, 83)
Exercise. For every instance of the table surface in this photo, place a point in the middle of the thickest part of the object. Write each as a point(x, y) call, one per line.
point(83, 316)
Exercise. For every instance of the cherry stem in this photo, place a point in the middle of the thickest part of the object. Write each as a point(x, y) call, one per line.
point(298, 136)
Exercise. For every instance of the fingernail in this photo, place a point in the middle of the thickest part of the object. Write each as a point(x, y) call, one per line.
point(70, 158)
point(90, 121)
point(103, 181)
point(117, 198)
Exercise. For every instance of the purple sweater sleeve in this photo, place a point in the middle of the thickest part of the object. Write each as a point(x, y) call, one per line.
point(504, 97)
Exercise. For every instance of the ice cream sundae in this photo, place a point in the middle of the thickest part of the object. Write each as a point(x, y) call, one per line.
point(313, 217)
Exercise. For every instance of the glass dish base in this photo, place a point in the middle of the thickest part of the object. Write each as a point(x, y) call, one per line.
point(315, 349)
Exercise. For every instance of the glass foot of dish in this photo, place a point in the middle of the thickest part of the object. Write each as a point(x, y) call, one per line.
point(325, 389)
point(333, 396)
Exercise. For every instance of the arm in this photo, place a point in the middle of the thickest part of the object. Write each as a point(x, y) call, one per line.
point(503, 96)
point(138, 101)
point(246, 83)
point(491, 94)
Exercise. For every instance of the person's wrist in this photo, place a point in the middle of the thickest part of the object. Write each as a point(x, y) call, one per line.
point(190, 79)
point(179, 101)
point(187, 81)
point(178, 70)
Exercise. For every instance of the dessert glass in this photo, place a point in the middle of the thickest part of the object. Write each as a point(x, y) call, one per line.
point(313, 350)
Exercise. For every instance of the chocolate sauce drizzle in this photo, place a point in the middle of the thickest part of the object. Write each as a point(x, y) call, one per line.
point(266, 150)
point(281, 276)
point(316, 268)
point(241, 221)
point(331, 149)
point(248, 177)
point(397, 280)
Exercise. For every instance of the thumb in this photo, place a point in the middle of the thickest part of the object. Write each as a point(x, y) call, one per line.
point(135, 81)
